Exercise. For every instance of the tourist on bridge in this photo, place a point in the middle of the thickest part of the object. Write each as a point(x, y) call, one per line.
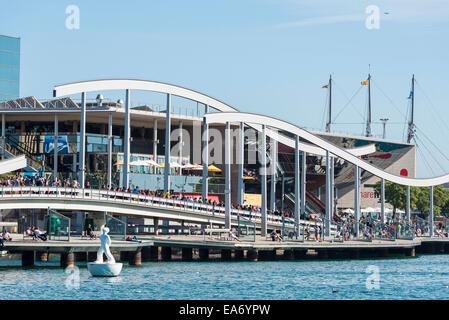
point(39, 235)
point(6, 235)
point(233, 236)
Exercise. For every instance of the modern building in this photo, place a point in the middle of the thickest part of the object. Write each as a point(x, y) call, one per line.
point(9, 68)
point(35, 127)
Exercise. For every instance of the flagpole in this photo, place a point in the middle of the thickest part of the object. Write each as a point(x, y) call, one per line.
point(413, 97)
point(328, 125)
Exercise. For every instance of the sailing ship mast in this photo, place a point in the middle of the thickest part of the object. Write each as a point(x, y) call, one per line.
point(411, 124)
point(368, 119)
point(329, 120)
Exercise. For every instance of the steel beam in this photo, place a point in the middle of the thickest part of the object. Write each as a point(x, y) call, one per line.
point(241, 160)
point(127, 140)
point(357, 199)
point(205, 187)
point(263, 153)
point(82, 151)
point(228, 176)
point(167, 144)
point(55, 149)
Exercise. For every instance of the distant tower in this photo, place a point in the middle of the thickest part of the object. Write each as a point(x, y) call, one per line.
point(384, 123)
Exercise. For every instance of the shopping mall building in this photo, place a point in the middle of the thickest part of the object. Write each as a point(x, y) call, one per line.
point(92, 130)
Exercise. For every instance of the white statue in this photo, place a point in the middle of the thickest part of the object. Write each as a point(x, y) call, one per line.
point(99, 268)
point(104, 247)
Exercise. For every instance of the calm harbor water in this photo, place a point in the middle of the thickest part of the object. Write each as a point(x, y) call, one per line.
point(423, 277)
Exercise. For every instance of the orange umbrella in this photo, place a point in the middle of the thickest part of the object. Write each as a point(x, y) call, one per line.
point(119, 163)
point(213, 168)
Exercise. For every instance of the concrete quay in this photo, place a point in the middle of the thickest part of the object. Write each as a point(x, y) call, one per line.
point(198, 248)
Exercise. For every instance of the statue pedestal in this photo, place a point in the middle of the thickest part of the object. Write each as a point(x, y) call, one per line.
point(104, 269)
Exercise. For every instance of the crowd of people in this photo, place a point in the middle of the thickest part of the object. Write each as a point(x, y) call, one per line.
point(369, 227)
point(35, 181)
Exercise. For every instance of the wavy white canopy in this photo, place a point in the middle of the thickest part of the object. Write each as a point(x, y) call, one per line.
point(13, 164)
point(341, 153)
point(146, 85)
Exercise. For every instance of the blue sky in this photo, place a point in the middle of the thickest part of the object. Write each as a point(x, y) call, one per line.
point(265, 56)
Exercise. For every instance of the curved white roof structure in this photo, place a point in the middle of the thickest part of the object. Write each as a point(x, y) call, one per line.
point(155, 86)
point(321, 143)
point(13, 164)
point(146, 85)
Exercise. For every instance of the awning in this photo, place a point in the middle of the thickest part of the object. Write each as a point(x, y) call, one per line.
point(139, 163)
point(119, 163)
point(195, 166)
point(172, 165)
point(213, 168)
point(151, 163)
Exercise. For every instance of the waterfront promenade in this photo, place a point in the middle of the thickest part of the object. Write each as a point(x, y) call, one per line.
point(202, 248)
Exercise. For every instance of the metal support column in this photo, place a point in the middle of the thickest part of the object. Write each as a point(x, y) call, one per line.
point(328, 195)
point(82, 152)
point(431, 212)
point(297, 182)
point(127, 140)
point(55, 150)
point(336, 200)
point(282, 193)
point(3, 136)
point(228, 176)
point(241, 159)
point(155, 143)
point(167, 145)
point(356, 199)
point(382, 200)
point(303, 182)
point(205, 188)
point(181, 142)
point(110, 151)
point(407, 205)
point(263, 153)
point(331, 189)
point(273, 167)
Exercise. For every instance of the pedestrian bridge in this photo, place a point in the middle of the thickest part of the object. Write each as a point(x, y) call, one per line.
point(128, 204)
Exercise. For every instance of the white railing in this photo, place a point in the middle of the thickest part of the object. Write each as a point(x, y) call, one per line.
point(134, 199)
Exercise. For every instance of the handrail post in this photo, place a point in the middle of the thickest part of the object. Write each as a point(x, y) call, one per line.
point(68, 231)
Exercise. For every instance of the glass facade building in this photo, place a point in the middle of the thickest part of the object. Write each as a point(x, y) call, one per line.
point(9, 68)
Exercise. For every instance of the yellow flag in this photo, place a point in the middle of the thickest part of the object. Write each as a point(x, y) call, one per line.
point(365, 83)
point(325, 86)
